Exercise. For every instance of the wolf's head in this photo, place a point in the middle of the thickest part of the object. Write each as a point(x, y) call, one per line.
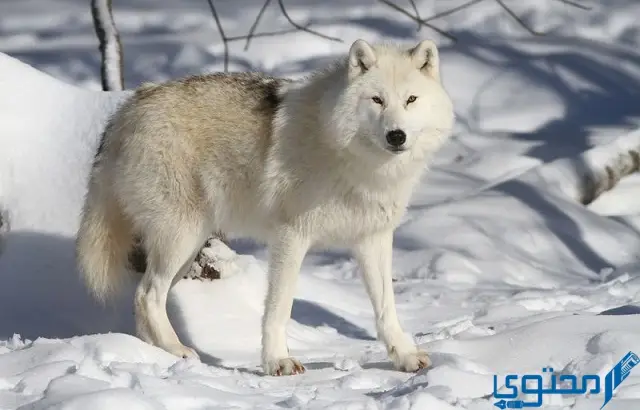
point(393, 103)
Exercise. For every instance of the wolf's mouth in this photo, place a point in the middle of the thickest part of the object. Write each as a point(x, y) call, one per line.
point(396, 150)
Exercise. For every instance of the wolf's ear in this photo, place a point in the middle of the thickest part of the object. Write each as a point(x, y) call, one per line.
point(425, 57)
point(361, 58)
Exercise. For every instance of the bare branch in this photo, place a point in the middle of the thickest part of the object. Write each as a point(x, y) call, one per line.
point(415, 10)
point(255, 24)
point(575, 4)
point(110, 46)
point(225, 41)
point(453, 10)
point(252, 34)
point(503, 5)
point(302, 28)
point(518, 19)
point(265, 34)
point(418, 20)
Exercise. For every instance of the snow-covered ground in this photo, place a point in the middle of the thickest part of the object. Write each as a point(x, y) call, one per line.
point(500, 270)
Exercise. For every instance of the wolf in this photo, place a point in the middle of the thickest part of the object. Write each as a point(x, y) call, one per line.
point(329, 161)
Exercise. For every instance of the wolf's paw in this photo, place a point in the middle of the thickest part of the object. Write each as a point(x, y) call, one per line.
point(412, 362)
point(283, 367)
point(182, 351)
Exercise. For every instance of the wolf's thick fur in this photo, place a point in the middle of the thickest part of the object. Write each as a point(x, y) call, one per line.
point(329, 161)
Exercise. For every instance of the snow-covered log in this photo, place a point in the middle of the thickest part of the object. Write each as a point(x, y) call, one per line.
point(50, 132)
point(585, 177)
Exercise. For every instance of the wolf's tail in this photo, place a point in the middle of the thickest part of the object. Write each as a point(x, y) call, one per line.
point(103, 241)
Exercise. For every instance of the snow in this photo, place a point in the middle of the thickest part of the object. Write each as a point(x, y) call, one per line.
point(499, 268)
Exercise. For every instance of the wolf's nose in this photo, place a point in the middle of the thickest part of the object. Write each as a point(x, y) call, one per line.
point(396, 138)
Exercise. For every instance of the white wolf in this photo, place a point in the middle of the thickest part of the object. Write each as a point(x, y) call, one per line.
point(327, 161)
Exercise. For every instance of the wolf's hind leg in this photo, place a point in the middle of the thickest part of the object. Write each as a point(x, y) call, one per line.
point(171, 249)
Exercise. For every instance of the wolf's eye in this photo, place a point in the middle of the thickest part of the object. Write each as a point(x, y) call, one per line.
point(377, 100)
point(411, 99)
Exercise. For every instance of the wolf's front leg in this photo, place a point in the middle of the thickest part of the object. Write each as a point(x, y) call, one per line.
point(374, 256)
point(286, 251)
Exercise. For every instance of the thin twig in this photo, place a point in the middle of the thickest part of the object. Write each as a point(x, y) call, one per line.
point(265, 34)
point(453, 10)
point(415, 10)
point(418, 20)
point(474, 2)
point(302, 28)
point(575, 4)
point(518, 19)
point(225, 41)
point(504, 6)
point(255, 24)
